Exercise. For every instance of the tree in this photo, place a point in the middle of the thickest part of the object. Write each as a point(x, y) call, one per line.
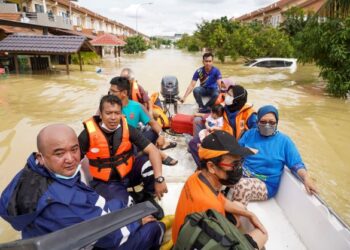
point(327, 44)
point(135, 44)
point(335, 9)
point(294, 21)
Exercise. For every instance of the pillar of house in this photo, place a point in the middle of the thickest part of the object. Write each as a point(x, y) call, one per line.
point(67, 63)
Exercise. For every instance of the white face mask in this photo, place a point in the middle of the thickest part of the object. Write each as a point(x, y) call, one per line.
point(68, 177)
point(107, 129)
point(228, 100)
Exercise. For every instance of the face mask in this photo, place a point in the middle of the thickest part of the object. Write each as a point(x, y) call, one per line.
point(107, 129)
point(233, 176)
point(228, 100)
point(68, 177)
point(267, 129)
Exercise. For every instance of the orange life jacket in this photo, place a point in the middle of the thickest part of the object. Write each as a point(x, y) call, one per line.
point(163, 119)
point(135, 92)
point(195, 196)
point(101, 162)
point(241, 121)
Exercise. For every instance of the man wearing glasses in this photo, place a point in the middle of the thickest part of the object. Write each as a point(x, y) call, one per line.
point(210, 82)
point(221, 159)
point(263, 171)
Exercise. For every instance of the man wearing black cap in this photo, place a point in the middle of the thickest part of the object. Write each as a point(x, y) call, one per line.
point(221, 160)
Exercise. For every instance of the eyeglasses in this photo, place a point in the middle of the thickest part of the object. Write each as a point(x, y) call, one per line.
point(110, 92)
point(272, 123)
point(234, 164)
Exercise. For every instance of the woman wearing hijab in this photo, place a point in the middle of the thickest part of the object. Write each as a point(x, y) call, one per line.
point(239, 116)
point(263, 170)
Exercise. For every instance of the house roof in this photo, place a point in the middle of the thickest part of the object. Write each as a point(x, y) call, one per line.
point(275, 6)
point(57, 31)
point(107, 40)
point(12, 29)
point(45, 44)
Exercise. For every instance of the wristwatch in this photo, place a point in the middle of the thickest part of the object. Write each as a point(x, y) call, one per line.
point(159, 179)
point(161, 133)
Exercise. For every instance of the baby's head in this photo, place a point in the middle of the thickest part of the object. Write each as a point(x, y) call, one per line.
point(217, 111)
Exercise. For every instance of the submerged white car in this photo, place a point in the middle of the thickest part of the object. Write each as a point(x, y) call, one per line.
point(273, 63)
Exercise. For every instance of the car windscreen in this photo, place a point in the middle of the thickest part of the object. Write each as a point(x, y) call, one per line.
point(250, 62)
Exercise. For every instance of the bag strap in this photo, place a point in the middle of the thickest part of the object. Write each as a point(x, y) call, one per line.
point(190, 230)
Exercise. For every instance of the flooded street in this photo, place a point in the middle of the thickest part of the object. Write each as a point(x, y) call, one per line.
point(318, 124)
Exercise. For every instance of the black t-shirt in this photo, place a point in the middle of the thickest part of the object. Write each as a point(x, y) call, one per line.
point(135, 138)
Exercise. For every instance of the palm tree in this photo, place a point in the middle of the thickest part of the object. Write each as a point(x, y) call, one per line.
point(335, 8)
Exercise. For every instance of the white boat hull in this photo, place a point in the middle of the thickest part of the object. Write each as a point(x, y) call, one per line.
point(293, 219)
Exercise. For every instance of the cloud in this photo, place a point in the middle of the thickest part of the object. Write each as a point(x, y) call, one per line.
point(166, 17)
point(115, 10)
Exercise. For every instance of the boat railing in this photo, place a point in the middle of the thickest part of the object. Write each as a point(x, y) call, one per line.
point(84, 234)
point(328, 208)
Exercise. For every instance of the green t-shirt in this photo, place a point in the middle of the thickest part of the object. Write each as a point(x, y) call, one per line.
point(135, 113)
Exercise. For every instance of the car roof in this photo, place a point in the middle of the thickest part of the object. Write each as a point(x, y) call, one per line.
point(274, 58)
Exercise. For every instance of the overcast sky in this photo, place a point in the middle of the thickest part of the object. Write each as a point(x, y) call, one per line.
point(167, 17)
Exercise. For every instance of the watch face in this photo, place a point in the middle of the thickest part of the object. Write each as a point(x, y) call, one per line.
point(160, 179)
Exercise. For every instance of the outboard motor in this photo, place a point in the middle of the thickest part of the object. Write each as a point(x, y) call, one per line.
point(170, 89)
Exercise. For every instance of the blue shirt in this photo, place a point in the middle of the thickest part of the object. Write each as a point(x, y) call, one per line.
point(274, 153)
point(135, 113)
point(207, 80)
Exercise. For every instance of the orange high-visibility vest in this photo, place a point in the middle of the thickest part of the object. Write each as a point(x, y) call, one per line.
point(135, 93)
point(101, 162)
point(241, 121)
point(163, 119)
point(195, 196)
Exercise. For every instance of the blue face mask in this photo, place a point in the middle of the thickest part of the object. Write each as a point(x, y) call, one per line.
point(68, 177)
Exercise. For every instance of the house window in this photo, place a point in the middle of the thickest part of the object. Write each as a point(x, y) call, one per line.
point(39, 8)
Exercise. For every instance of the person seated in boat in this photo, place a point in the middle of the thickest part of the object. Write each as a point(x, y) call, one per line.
point(48, 195)
point(210, 83)
point(152, 104)
point(262, 172)
point(137, 92)
point(239, 116)
point(213, 122)
point(135, 114)
point(221, 159)
point(107, 142)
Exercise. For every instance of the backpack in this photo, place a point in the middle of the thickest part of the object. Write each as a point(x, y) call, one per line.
point(210, 230)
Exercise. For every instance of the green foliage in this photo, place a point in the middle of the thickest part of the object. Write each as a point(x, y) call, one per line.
point(157, 42)
point(294, 21)
point(226, 38)
point(328, 45)
point(135, 44)
point(87, 58)
point(189, 42)
point(336, 9)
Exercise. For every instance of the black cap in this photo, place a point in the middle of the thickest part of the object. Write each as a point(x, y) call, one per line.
point(222, 141)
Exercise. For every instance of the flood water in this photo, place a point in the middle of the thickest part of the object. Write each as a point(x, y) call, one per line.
point(318, 124)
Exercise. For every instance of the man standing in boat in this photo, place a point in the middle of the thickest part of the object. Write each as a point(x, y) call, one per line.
point(107, 142)
point(210, 83)
point(47, 195)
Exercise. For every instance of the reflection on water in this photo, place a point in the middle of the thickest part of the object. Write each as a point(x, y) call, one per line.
point(319, 125)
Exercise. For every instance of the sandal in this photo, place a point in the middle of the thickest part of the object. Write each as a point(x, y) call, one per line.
point(169, 161)
point(170, 145)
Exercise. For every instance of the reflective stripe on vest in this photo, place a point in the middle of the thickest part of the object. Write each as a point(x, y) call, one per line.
point(101, 163)
point(241, 121)
point(135, 92)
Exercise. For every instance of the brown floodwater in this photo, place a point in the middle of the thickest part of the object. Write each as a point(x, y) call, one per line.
point(318, 124)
